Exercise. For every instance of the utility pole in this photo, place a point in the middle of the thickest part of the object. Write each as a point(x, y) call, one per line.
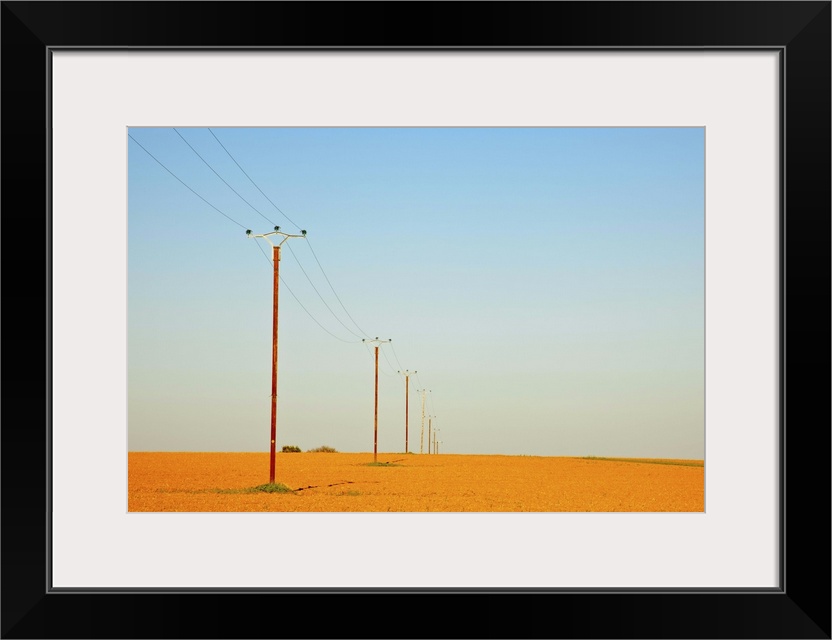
point(407, 375)
point(435, 441)
point(378, 343)
point(276, 263)
point(430, 419)
point(422, 434)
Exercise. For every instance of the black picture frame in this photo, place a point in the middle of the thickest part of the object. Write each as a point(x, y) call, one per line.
point(799, 31)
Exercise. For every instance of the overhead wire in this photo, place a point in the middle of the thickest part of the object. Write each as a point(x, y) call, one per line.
point(384, 353)
point(265, 255)
point(160, 163)
point(294, 255)
point(289, 246)
point(238, 224)
point(396, 356)
point(300, 303)
point(221, 178)
point(333, 289)
point(432, 405)
point(268, 260)
point(308, 242)
point(183, 183)
point(250, 179)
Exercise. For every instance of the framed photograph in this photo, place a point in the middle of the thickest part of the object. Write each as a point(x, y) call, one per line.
point(670, 160)
point(560, 347)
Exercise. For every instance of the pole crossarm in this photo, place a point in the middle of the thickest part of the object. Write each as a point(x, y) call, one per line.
point(375, 341)
point(276, 232)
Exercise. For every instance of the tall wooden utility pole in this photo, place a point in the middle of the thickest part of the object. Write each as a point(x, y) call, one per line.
point(407, 375)
point(375, 415)
point(276, 263)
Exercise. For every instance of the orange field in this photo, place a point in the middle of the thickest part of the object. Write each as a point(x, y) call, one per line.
point(337, 482)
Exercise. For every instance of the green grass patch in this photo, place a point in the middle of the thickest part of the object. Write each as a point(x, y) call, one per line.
point(382, 464)
point(273, 487)
point(679, 463)
point(269, 487)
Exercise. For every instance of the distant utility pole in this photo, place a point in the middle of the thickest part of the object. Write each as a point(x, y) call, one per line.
point(406, 375)
point(276, 263)
point(430, 419)
point(435, 441)
point(422, 434)
point(378, 343)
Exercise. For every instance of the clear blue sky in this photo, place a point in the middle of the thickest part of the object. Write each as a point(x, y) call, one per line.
point(546, 283)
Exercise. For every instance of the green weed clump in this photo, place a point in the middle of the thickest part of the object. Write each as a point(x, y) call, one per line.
point(290, 449)
point(272, 487)
point(269, 487)
point(323, 450)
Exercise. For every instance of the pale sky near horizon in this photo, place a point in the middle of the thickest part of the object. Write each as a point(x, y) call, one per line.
point(546, 283)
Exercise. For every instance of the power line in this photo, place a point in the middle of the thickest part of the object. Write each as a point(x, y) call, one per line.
point(432, 405)
point(271, 264)
point(221, 178)
point(395, 355)
point(388, 361)
point(185, 185)
point(333, 288)
point(313, 317)
point(252, 181)
point(301, 304)
point(319, 293)
point(364, 333)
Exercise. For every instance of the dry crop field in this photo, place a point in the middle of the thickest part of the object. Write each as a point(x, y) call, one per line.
point(338, 482)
